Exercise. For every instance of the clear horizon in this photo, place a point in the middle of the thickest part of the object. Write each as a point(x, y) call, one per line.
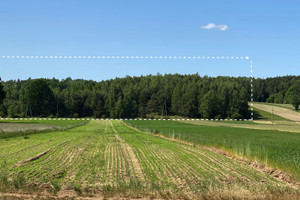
point(60, 79)
point(266, 31)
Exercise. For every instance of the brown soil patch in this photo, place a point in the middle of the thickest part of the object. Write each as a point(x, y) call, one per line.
point(135, 162)
point(30, 159)
point(111, 170)
point(107, 157)
point(67, 193)
point(264, 122)
point(39, 155)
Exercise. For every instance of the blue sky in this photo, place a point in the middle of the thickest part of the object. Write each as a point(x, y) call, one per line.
point(266, 30)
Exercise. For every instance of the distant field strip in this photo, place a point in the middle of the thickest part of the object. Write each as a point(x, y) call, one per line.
point(17, 127)
point(286, 126)
point(280, 111)
point(110, 157)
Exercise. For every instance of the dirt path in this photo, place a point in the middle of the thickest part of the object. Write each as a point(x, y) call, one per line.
point(132, 156)
point(282, 112)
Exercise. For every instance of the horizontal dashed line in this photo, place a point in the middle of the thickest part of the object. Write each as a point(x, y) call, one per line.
point(124, 119)
point(144, 57)
point(127, 57)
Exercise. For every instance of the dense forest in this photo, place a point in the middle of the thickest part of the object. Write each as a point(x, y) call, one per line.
point(285, 89)
point(145, 96)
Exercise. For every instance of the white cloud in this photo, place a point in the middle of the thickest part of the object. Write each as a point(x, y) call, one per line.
point(221, 27)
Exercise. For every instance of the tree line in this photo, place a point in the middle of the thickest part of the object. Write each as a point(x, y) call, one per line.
point(284, 89)
point(144, 96)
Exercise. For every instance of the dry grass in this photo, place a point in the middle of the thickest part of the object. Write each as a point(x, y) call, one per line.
point(22, 127)
point(280, 111)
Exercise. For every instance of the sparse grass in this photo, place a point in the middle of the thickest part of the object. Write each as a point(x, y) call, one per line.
point(262, 115)
point(288, 106)
point(60, 124)
point(281, 111)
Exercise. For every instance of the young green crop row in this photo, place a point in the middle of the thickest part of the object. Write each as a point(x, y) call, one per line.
point(110, 158)
point(273, 148)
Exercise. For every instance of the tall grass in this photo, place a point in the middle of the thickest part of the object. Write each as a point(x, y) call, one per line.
point(21, 128)
point(9, 181)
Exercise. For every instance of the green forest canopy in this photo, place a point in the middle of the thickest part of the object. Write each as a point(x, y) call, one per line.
point(145, 96)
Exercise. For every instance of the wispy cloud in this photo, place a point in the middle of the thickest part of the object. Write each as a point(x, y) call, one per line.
point(221, 27)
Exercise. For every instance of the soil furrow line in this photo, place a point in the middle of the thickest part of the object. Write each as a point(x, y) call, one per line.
point(135, 162)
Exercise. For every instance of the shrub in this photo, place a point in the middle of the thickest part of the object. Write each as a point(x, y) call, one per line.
point(19, 181)
point(237, 116)
point(4, 173)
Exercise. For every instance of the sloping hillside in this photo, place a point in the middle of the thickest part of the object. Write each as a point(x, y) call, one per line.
point(280, 111)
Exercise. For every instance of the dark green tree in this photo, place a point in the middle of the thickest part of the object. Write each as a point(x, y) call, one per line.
point(293, 95)
point(2, 93)
point(169, 94)
point(2, 96)
point(39, 98)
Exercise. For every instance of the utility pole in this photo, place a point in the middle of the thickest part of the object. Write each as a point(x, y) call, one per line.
point(272, 115)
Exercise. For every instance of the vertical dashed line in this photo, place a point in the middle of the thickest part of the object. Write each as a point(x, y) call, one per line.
point(251, 104)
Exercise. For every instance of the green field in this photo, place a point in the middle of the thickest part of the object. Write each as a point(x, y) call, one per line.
point(104, 159)
point(273, 148)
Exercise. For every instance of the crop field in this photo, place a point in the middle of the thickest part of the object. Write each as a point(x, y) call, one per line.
point(62, 123)
point(288, 106)
point(17, 127)
point(109, 159)
point(278, 149)
point(264, 124)
point(263, 115)
point(14, 128)
point(282, 110)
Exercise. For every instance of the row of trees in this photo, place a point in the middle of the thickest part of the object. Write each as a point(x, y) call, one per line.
point(184, 95)
point(145, 96)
